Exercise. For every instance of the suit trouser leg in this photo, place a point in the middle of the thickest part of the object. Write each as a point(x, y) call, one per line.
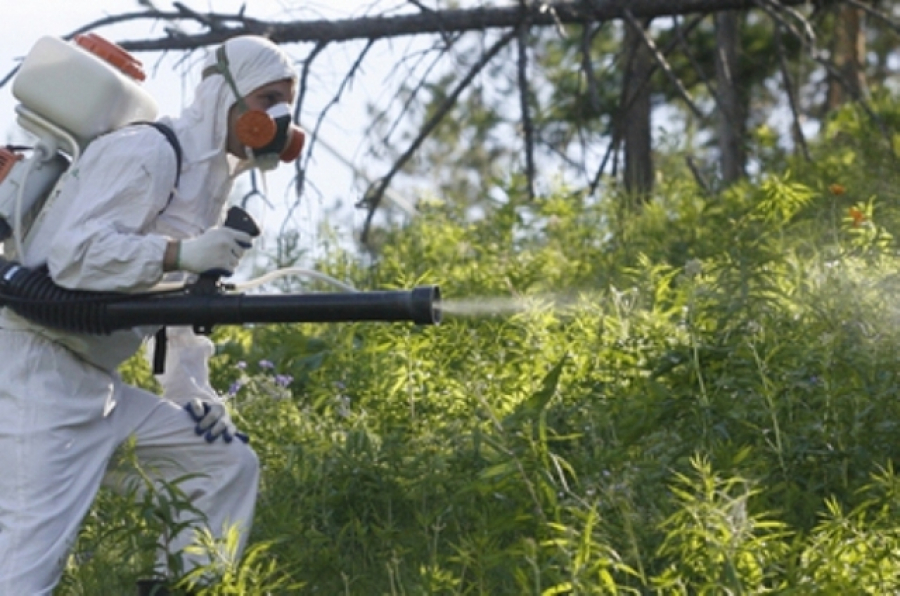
point(56, 439)
point(220, 479)
point(54, 445)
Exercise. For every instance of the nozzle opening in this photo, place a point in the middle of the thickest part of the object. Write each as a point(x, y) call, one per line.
point(426, 305)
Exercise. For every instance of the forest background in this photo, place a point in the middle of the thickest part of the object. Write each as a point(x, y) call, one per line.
point(666, 235)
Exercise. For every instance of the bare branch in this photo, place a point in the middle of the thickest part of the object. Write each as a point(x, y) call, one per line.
point(819, 58)
point(626, 104)
point(300, 178)
point(422, 84)
point(420, 6)
point(792, 99)
point(527, 124)
point(354, 69)
point(373, 198)
point(593, 93)
point(428, 22)
point(881, 16)
point(9, 76)
point(516, 20)
point(663, 64)
point(698, 175)
point(807, 35)
point(686, 49)
point(610, 148)
point(209, 20)
point(808, 39)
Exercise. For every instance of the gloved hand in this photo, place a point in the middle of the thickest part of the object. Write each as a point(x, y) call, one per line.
point(216, 250)
point(213, 421)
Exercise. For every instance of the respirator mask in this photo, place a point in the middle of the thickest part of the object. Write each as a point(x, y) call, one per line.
point(268, 136)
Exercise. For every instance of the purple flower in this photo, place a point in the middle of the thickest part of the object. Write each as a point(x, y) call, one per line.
point(266, 364)
point(241, 365)
point(235, 387)
point(283, 380)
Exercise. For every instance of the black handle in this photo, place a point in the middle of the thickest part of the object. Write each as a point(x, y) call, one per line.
point(236, 219)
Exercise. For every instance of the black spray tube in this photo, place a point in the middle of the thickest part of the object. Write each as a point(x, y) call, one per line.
point(33, 295)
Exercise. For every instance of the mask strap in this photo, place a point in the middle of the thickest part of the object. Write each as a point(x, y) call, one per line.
point(221, 67)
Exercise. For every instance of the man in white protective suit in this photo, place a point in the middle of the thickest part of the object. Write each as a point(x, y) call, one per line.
point(118, 225)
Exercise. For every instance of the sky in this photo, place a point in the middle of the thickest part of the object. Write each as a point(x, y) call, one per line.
point(333, 185)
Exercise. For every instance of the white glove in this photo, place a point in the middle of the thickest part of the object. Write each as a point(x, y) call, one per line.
point(213, 421)
point(217, 249)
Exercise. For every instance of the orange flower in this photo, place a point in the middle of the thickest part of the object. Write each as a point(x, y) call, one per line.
point(837, 189)
point(858, 217)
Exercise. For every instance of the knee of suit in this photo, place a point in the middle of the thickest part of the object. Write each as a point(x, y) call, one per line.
point(242, 464)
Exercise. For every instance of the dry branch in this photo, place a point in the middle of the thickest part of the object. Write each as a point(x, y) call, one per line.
point(663, 63)
point(876, 14)
point(421, 23)
point(626, 102)
point(807, 37)
point(792, 97)
point(373, 198)
point(524, 92)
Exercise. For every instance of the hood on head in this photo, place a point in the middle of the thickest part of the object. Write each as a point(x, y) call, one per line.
point(253, 61)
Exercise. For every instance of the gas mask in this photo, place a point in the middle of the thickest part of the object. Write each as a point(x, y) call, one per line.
point(268, 136)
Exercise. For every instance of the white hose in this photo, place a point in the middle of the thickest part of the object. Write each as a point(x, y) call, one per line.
point(268, 277)
point(284, 272)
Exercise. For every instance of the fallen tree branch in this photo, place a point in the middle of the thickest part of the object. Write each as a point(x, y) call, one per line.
point(420, 23)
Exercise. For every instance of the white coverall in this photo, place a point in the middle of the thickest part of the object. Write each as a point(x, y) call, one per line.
point(63, 408)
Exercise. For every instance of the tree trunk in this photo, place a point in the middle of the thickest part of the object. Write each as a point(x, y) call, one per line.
point(732, 113)
point(635, 121)
point(848, 51)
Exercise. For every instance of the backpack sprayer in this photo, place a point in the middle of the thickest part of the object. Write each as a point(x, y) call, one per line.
point(72, 93)
point(69, 94)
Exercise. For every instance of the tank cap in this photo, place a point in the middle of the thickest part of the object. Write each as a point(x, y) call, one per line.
point(112, 53)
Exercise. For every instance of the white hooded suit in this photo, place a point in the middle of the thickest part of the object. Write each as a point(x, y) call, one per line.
point(63, 408)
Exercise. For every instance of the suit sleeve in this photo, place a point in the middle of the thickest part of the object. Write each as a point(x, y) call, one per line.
point(101, 217)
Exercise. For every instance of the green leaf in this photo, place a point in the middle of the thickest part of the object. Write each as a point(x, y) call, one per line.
point(503, 469)
point(563, 588)
point(539, 400)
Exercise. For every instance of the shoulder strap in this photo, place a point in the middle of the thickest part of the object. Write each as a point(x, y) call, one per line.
point(173, 140)
point(159, 348)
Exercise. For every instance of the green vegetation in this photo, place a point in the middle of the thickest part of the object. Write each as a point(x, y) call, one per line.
point(697, 397)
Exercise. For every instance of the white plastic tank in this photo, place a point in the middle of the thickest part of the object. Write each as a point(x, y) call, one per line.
point(87, 87)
